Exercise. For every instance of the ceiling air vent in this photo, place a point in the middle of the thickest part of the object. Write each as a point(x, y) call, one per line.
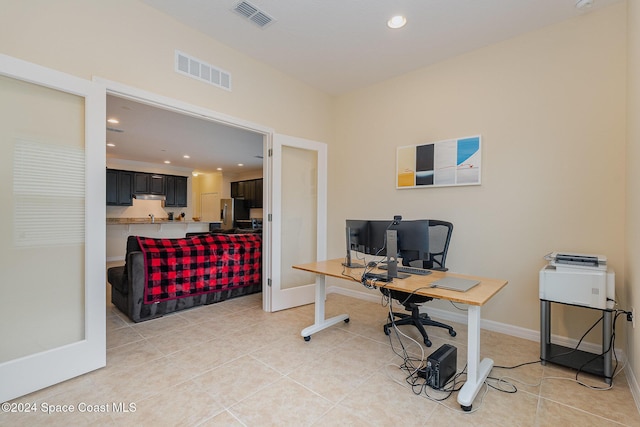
point(200, 70)
point(253, 14)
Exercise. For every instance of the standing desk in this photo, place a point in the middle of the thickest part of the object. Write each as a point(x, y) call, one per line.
point(477, 370)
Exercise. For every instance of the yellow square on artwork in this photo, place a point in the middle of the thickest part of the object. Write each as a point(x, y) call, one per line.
point(406, 179)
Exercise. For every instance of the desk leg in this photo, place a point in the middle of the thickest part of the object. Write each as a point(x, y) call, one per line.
point(320, 322)
point(477, 371)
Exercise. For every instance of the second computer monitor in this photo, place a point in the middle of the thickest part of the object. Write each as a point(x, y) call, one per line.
point(413, 238)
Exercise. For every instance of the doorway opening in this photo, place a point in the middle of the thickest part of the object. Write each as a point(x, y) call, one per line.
point(213, 149)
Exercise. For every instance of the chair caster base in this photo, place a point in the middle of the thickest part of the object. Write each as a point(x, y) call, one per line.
point(307, 338)
point(466, 408)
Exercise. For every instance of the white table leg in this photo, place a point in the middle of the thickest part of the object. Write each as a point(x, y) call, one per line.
point(320, 322)
point(477, 371)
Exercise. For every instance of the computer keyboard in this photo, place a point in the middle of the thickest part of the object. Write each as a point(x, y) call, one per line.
point(406, 269)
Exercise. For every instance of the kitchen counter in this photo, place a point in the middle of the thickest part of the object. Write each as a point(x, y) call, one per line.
point(119, 229)
point(125, 221)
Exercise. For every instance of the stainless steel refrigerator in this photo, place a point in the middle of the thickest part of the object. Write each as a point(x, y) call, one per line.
point(232, 210)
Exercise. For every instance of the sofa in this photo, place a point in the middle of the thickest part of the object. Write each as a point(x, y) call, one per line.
point(161, 276)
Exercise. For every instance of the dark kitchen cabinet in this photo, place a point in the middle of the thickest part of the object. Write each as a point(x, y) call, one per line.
point(249, 190)
point(157, 184)
point(176, 191)
point(149, 183)
point(141, 183)
point(258, 193)
point(119, 188)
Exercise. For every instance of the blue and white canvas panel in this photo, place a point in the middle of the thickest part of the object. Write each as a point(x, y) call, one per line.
point(468, 162)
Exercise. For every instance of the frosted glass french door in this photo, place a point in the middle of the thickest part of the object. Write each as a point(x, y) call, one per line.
point(298, 226)
point(52, 256)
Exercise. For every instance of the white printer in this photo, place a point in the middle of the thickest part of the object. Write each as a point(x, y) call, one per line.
point(578, 279)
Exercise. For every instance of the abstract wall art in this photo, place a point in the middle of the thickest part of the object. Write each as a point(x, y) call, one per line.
point(440, 164)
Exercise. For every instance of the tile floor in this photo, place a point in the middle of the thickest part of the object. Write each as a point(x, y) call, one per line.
point(231, 364)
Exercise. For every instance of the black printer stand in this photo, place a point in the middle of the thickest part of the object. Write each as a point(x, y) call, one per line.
point(596, 364)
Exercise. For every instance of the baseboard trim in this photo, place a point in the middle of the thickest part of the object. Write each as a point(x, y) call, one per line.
point(491, 325)
point(115, 258)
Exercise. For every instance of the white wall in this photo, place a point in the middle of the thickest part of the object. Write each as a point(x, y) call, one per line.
point(632, 288)
point(131, 43)
point(550, 106)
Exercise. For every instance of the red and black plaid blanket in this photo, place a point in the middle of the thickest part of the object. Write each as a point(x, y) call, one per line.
point(177, 268)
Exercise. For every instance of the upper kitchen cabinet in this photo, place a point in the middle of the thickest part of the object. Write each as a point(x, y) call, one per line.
point(119, 188)
point(147, 183)
point(249, 190)
point(176, 191)
point(157, 184)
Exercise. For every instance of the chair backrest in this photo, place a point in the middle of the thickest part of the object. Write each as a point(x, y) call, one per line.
point(439, 238)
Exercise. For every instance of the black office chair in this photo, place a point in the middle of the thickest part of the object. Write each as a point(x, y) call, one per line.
point(439, 238)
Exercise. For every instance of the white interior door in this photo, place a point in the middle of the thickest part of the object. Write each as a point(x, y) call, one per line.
point(299, 219)
point(52, 251)
point(210, 206)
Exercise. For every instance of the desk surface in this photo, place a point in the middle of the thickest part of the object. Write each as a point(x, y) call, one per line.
point(478, 295)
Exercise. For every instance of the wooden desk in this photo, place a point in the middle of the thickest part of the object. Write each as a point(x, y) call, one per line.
point(477, 370)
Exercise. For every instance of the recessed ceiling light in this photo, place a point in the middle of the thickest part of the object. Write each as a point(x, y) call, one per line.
point(397, 21)
point(167, 161)
point(582, 4)
point(114, 121)
point(110, 144)
point(240, 164)
point(194, 173)
point(219, 169)
point(186, 156)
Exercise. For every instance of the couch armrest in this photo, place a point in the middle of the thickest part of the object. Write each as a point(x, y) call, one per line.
point(135, 267)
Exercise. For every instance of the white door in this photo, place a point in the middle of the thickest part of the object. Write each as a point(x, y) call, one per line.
point(210, 207)
point(52, 250)
point(299, 219)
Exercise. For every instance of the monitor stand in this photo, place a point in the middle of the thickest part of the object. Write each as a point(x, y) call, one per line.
point(347, 262)
point(392, 256)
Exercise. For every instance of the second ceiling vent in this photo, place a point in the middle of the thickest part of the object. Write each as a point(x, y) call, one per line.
point(253, 14)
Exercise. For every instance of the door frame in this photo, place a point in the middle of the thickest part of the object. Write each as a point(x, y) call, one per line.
point(177, 106)
point(37, 371)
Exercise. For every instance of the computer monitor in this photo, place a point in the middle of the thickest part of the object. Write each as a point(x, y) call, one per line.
point(412, 238)
point(408, 240)
point(357, 236)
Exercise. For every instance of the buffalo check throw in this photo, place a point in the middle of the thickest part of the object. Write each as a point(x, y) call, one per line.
point(177, 268)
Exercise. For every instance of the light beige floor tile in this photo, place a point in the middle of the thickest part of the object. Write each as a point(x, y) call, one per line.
point(115, 322)
point(236, 380)
point(291, 352)
point(384, 403)
point(122, 336)
point(344, 368)
point(283, 403)
point(184, 404)
point(135, 383)
point(162, 325)
point(133, 354)
point(616, 404)
point(209, 354)
point(181, 338)
point(223, 419)
point(551, 414)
